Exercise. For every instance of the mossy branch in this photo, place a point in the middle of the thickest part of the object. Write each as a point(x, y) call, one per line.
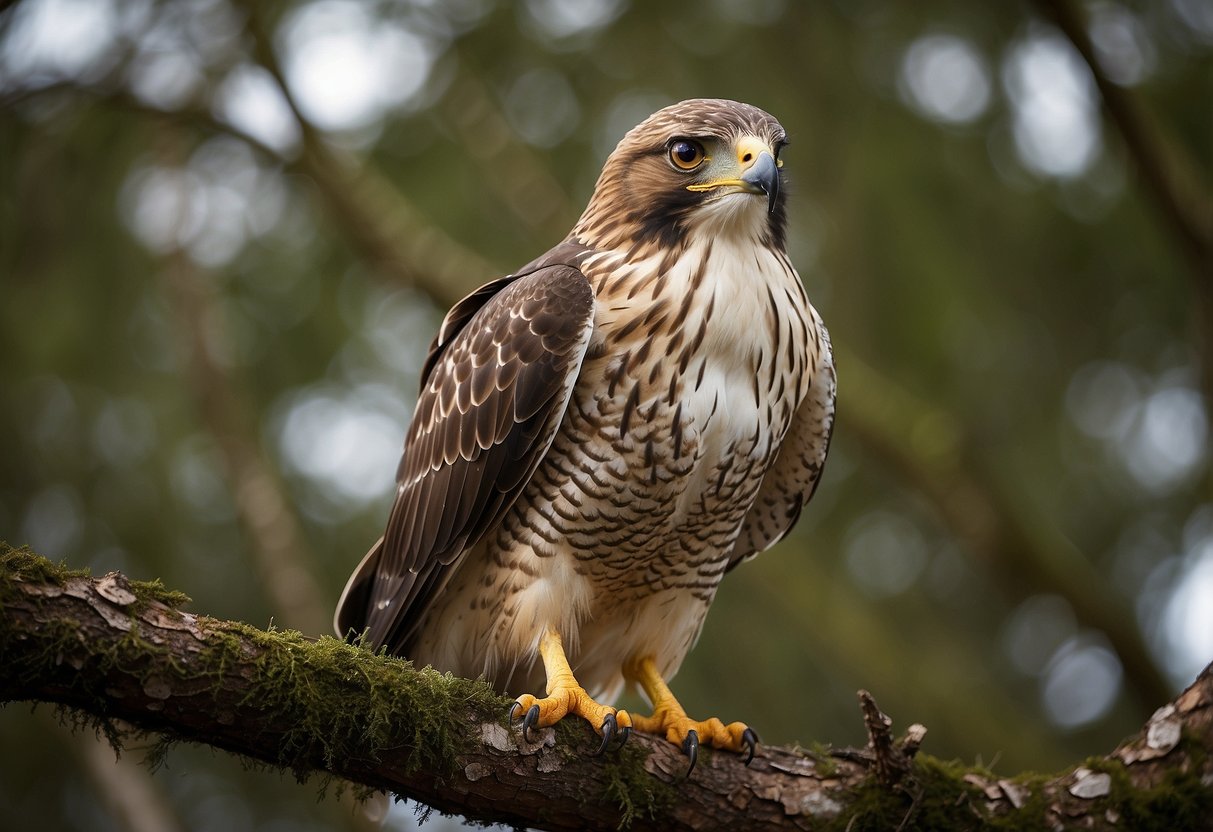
point(124, 654)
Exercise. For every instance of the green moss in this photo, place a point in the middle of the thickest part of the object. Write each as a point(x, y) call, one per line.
point(1180, 801)
point(933, 796)
point(823, 758)
point(636, 792)
point(936, 796)
point(24, 564)
point(26, 659)
point(1032, 813)
point(340, 701)
point(629, 785)
point(912, 805)
point(948, 798)
point(55, 638)
point(345, 703)
point(154, 592)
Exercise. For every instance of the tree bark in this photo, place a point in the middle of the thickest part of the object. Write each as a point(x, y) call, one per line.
point(122, 654)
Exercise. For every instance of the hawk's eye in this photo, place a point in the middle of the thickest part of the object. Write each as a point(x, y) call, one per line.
point(686, 155)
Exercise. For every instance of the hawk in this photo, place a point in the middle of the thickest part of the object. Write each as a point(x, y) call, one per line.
point(604, 434)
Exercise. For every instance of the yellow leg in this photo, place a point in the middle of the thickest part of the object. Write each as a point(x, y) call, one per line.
point(671, 720)
point(567, 696)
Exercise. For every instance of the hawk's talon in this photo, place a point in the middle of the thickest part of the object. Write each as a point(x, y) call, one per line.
point(514, 710)
point(530, 721)
point(609, 726)
point(623, 736)
point(749, 738)
point(670, 720)
point(566, 696)
point(690, 747)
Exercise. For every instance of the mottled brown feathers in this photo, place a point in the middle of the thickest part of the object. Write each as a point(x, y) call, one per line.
point(603, 434)
point(489, 406)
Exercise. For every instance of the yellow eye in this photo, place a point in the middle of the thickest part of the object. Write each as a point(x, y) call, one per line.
point(686, 154)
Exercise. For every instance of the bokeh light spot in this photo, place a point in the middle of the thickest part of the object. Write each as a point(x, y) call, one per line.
point(347, 67)
point(1188, 615)
point(251, 101)
point(945, 79)
point(885, 554)
point(562, 19)
point(1055, 120)
point(542, 107)
point(1034, 632)
point(344, 441)
point(1082, 682)
point(1124, 50)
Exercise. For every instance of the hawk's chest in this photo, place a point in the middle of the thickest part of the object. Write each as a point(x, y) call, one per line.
point(694, 373)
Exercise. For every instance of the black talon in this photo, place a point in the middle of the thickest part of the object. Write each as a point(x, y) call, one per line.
point(514, 709)
point(690, 747)
point(609, 726)
point(529, 721)
point(750, 738)
point(623, 736)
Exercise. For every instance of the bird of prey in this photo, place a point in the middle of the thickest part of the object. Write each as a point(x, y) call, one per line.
point(605, 433)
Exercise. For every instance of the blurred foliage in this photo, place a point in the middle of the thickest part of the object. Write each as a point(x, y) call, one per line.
point(214, 300)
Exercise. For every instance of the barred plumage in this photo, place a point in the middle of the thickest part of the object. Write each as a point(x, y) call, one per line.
point(603, 435)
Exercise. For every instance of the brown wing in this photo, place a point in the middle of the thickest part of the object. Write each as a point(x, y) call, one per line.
point(794, 475)
point(496, 385)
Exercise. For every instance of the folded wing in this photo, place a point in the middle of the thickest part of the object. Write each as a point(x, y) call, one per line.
point(495, 388)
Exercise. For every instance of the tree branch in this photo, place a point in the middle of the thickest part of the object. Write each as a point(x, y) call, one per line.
point(116, 649)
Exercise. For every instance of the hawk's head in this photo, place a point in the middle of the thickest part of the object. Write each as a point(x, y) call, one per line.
point(703, 166)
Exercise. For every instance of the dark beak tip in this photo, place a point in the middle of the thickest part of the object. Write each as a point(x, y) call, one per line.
point(765, 175)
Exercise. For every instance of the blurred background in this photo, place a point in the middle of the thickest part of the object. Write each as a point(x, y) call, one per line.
point(228, 232)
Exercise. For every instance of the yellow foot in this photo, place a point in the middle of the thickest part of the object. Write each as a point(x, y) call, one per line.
point(671, 721)
point(566, 696)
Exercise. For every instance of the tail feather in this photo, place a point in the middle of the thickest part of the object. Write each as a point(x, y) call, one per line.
point(351, 617)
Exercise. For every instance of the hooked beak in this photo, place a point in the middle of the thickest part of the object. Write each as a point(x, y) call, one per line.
point(763, 177)
point(754, 171)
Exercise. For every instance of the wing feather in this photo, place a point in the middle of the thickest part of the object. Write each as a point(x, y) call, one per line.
point(497, 382)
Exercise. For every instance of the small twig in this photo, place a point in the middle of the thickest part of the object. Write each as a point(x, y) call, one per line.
point(892, 760)
point(908, 745)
